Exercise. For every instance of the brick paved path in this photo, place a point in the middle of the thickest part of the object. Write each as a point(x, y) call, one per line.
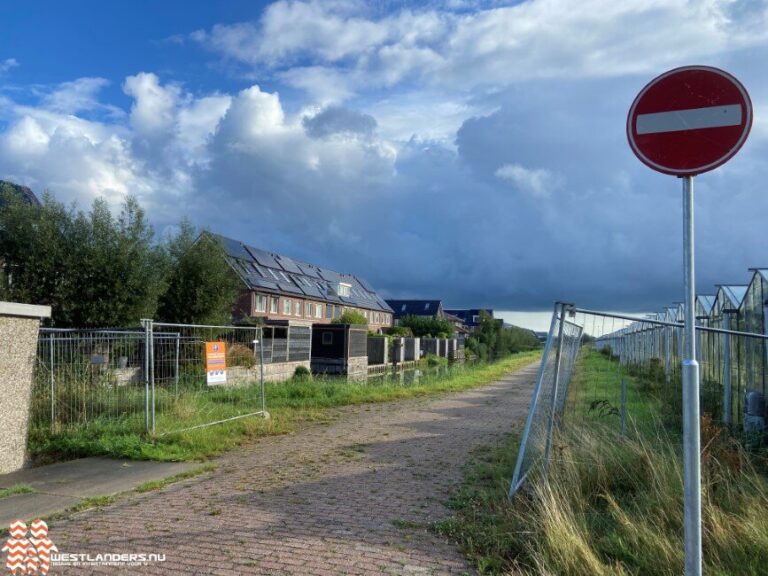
point(351, 497)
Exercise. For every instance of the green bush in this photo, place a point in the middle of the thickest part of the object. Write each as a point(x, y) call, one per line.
point(399, 332)
point(302, 373)
point(351, 317)
point(240, 355)
point(425, 327)
point(433, 360)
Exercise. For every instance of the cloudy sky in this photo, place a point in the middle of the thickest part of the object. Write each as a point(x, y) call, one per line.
point(469, 151)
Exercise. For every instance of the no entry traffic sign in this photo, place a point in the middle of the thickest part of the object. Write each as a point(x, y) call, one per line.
point(689, 120)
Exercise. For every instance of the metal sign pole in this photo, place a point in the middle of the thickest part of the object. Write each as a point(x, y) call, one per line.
point(691, 435)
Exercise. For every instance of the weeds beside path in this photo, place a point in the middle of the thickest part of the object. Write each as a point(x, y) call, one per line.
point(289, 404)
point(612, 505)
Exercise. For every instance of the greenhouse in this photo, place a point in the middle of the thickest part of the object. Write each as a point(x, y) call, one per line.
point(752, 319)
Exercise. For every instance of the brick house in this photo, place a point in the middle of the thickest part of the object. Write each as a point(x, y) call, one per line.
point(426, 308)
point(277, 287)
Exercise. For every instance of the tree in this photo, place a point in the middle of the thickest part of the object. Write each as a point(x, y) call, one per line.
point(201, 285)
point(92, 269)
point(351, 317)
point(492, 340)
point(427, 327)
point(116, 268)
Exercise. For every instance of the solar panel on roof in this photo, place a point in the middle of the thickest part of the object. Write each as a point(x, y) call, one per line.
point(287, 264)
point(329, 275)
point(262, 283)
point(263, 258)
point(233, 248)
point(308, 270)
point(286, 287)
point(312, 290)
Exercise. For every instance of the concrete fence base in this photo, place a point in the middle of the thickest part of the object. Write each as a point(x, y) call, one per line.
point(19, 327)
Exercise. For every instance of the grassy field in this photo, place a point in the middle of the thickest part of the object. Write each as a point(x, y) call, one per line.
point(289, 404)
point(613, 505)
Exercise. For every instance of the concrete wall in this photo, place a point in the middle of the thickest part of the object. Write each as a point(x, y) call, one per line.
point(378, 349)
point(357, 368)
point(19, 327)
point(277, 372)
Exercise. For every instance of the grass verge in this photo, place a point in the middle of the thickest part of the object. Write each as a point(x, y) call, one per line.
point(16, 489)
point(289, 403)
point(158, 484)
point(612, 505)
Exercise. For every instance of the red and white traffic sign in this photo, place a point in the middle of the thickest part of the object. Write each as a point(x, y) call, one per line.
point(689, 120)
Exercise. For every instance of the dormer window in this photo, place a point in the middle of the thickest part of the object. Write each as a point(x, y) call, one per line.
point(344, 289)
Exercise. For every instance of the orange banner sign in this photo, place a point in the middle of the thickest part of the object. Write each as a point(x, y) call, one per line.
point(216, 363)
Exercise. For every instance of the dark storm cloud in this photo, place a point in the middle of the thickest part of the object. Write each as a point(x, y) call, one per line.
point(339, 120)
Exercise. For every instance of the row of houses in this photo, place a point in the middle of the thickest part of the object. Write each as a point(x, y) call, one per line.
point(277, 288)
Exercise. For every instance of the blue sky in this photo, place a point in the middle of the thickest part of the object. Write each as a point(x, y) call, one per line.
point(469, 151)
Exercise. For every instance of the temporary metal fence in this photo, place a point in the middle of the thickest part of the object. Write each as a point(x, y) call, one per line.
point(613, 370)
point(152, 379)
point(551, 388)
point(86, 375)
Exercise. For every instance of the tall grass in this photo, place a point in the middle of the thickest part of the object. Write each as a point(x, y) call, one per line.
point(613, 505)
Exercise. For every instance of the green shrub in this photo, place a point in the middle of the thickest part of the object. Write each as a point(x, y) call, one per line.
point(351, 317)
point(302, 373)
point(433, 360)
point(399, 332)
point(240, 355)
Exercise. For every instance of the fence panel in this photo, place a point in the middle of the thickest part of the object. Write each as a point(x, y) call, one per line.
point(184, 395)
point(153, 379)
point(615, 371)
point(89, 377)
point(549, 392)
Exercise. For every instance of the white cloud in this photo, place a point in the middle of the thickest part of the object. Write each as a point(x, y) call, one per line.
point(493, 46)
point(77, 96)
point(7, 64)
point(536, 182)
point(152, 112)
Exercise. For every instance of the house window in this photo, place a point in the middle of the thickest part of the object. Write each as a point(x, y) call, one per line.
point(318, 310)
point(329, 311)
point(344, 289)
point(286, 306)
point(297, 309)
point(426, 306)
point(474, 319)
point(376, 318)
point(261, 303)
point(273, 304)
point(308, 310)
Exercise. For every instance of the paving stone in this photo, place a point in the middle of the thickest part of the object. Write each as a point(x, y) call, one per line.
point(352, 497)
